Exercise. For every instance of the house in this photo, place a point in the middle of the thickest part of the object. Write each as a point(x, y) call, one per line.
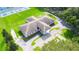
point(34, 25)
point(32, 18)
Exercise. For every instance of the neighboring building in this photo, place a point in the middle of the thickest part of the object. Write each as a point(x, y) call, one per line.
point(36, 24)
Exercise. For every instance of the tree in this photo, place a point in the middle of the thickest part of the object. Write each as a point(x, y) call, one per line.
point(61, 45)
point(9, 41)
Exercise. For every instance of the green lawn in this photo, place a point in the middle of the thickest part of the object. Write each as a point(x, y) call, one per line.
point(14, 21)
point(56, 28)
point(52, 16)
point(34, 41)
point(37, 48)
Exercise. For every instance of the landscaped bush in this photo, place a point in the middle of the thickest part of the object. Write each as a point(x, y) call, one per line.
point(33, 42)
point(52, 16)
point(67, 33)
point(37, 48)
point(56, 28)
point(75, 39)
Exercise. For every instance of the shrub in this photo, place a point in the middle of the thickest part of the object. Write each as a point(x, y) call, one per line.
point(37, 48)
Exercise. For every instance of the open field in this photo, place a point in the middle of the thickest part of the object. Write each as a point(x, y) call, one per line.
point(14, 21)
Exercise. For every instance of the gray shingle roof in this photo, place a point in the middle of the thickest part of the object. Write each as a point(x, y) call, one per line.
point(32, 27)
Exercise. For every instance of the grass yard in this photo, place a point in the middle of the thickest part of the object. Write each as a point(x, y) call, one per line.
point(14, 21)
point(37, 48)
point(56, 28)
point(34, 41)
point(52, 16)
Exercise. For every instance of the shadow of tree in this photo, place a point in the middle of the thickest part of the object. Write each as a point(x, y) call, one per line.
point(9, 41)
